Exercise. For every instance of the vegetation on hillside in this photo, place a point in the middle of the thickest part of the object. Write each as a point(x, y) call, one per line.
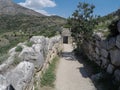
point(105, 22)
point(18, 28)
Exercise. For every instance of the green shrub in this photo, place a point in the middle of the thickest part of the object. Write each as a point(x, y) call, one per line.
point(49, 76)
point(29, 44)
point(113, 29)
point(18, 49)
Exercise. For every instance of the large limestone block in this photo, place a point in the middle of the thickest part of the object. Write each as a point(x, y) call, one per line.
point(21, 77)
point(3, 83)
point(104, 44)
point(104, 53)
point(97, 51)
point(104, 63)
point(117, 75)
point(110, 69)
point(38, 40)
point(53, 41)
point(29, 54)
point(115, 57)
point(111, 43)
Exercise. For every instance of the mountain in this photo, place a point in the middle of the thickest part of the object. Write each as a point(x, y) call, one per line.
point(10, 8)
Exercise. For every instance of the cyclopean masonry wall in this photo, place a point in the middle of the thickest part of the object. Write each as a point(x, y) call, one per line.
point(22, 70)
point(105, 53)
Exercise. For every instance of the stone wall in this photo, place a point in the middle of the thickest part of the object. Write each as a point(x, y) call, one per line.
point(105, 53)
point(23, 69)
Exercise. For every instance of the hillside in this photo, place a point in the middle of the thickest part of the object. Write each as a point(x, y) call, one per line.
point(14, 29)
point(18, 24)
point(105, 21)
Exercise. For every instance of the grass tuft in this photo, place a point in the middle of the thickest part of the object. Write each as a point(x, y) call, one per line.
point(18, 49)
point(49, 76)
point(29, 44)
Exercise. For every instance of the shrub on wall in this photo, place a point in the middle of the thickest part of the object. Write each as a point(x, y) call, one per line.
point(18, 49)
point(113, 29)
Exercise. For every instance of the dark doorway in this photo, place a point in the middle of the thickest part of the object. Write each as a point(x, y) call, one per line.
point(65, 39)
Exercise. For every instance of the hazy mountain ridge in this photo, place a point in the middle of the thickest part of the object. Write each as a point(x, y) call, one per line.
point(10, 8)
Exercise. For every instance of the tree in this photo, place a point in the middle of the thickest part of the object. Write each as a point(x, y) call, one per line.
point(82, 23)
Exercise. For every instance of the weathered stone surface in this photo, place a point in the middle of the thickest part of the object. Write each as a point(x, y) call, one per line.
point(115, 57)
point(21, 76)
point(104, 53)
point(97, 43)
point(3, 83)
point(117, 75)
point(52, 41)
point(110, 68)
point(38, 40)
point(118, 26)
point(97, 51)
point(28, 54)
point(104, 63)
point(111, 43)
point(5, 66)
point(12, 51)
point(98, 62)
point(103, 44)
point(118, 41)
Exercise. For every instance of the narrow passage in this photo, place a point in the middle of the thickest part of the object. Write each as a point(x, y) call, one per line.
point(70, 74)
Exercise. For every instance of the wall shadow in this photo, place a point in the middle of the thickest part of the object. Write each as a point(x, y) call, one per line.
point(89, 68)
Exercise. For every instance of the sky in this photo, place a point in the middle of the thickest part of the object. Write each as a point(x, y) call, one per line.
point(65, 8)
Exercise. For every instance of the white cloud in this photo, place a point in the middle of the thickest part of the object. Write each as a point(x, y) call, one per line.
point(38, 5)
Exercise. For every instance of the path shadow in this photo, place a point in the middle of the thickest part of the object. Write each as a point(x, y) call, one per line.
point(68, 56)
point(90, 68)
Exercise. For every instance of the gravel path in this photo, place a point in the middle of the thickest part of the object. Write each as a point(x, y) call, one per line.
point(69, 76)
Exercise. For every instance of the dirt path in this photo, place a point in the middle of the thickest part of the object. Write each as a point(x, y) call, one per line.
point(69, 76)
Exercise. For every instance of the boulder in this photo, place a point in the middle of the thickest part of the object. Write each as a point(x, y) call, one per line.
point(34, 56)
point(111, 43)
point(117, 75)
point(118, 41)
point(104, 44)
point(97, 43)
point(5, 66)
point(115, 57)
point(38, 40)
point(38, 48)
point(110, 69)
point(98, 62)
point(103, 53)
point(12, 51)
point(104, 62)
point(118, 26)
point(3, 83)
point(52, 41)
point(97, 51)
point(21, 77)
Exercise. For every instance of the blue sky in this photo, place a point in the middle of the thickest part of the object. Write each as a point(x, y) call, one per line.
point(65, 8)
